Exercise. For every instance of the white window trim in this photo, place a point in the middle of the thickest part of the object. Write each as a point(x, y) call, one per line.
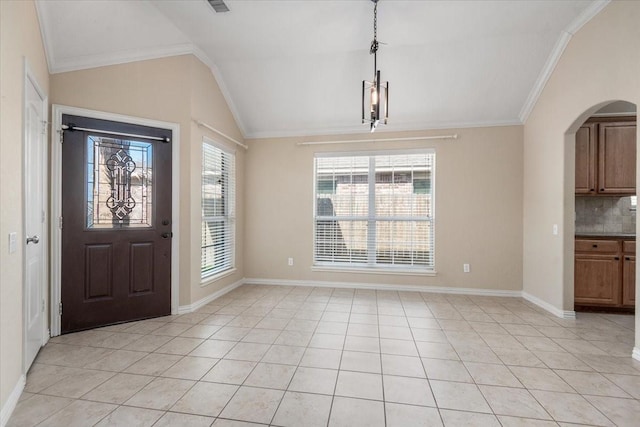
point(374, 268)
point(212, 278)
point(207, 279)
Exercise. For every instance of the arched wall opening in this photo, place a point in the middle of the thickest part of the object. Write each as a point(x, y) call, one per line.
point(569, 208)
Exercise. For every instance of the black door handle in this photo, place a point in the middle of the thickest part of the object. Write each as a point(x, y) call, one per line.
point(167, 235)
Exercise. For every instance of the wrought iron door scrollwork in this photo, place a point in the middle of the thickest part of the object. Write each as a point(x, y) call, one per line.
point(120, 166)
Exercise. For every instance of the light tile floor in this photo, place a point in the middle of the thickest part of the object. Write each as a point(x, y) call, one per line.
point(296, 356)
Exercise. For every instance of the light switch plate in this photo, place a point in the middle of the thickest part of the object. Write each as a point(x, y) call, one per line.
point(13, 242)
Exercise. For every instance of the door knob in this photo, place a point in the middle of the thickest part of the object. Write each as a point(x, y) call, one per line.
point(166, 235)
point(34, 240)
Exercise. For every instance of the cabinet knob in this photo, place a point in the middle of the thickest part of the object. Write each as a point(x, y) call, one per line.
point(617, 258)
point(595, 246)
point(627, 258)
point(592, 190)
point(602, 189)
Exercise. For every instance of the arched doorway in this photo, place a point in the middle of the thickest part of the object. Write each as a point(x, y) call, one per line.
point(599, 262)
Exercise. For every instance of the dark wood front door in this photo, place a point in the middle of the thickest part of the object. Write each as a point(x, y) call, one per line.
point(116, 223)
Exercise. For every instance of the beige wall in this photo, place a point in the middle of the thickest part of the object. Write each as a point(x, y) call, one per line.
point(19, 39)
point(208, 106)
point(157, 89)
point(173, 90)
point(600, 64)
point(478, 209)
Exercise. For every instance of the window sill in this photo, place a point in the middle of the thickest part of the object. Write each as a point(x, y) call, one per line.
point(375, 270)
point(206, 281)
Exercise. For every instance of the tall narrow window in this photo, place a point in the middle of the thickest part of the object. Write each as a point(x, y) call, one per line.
point(375, 210)
point(218, 209)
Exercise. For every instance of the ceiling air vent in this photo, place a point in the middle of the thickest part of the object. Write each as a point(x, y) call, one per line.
point(218, 6)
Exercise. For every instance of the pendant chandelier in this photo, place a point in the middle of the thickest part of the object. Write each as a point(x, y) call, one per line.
point(375, 94)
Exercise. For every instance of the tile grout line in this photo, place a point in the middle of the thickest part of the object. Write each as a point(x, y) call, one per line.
point(421, 362)
point(380, 298)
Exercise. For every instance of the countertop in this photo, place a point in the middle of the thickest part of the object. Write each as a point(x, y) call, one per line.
point(630, 236)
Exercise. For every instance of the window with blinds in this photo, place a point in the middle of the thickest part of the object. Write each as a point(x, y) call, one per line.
point(218, 207)
point(375, 210)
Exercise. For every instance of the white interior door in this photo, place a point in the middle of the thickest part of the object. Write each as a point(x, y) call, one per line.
point(34, 225)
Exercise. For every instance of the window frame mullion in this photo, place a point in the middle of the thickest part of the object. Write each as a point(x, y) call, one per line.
point(371, 222)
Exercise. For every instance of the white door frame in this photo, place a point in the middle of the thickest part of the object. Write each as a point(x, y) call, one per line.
point(56, 200)
point(30, 80)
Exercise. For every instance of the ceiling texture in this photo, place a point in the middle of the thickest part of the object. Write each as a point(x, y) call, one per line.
point(295, 67)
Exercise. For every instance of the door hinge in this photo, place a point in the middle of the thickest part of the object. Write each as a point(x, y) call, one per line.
point(44, 127)
point(61, 132)
point(60, 309)
point(60, 222)
point(43, 303)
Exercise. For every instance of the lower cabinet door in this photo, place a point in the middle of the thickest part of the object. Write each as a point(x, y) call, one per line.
point(629, 281)
point(597, 280)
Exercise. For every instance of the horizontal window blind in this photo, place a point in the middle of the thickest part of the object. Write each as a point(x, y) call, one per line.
point(218, 209)
point(375, 210)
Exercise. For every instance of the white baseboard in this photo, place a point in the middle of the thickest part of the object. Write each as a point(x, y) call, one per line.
point(384, 287)
point(12, 401)
point(636, 353)
point(206, 300)
point(563, 314)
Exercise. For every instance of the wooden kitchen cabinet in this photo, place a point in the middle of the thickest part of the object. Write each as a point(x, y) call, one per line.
point(617, 158)
point(597, 272)
point(597, 279)
point(606, 157)
point(604, 273)
point(586, 159)
point(629, 281)
point(629, 274)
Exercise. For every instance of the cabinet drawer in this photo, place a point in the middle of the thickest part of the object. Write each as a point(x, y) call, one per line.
point(597, 246)
point(629, 246)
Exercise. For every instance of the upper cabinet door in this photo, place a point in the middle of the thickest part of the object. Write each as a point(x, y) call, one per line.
point(586, 159)
point(617, 158)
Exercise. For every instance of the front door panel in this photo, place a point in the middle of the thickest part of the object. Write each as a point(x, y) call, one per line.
point(116, 235)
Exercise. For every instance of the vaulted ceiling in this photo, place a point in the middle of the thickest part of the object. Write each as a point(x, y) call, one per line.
point(296, 67)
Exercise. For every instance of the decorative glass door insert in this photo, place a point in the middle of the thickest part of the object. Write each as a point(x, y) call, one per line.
point(119, 183)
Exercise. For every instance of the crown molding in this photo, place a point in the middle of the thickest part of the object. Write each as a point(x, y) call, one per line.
point(556, 53)
point(202, 56)
point(44, 34)
point(586, 16)
point(121, 57)
point(124, 57)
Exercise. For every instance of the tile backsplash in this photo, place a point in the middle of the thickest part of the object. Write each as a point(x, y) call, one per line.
point(605, 215)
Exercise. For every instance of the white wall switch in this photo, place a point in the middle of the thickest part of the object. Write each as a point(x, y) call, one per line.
point(13, 242)
point(555, 229)
point(290, 262)
point(466, 268)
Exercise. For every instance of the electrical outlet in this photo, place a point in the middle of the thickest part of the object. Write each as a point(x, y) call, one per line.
point(290, 262)
point(466, 268)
